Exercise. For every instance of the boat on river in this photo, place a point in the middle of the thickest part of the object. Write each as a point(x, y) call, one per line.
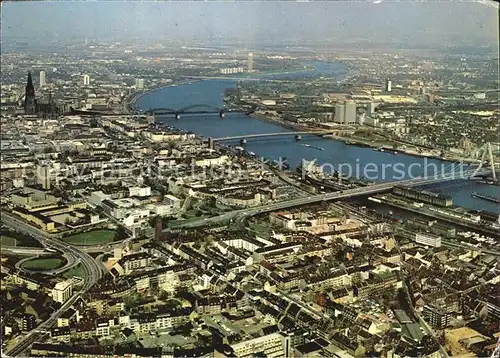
point(485, 197)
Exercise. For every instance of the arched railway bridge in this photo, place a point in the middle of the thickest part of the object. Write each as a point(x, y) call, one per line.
point(194, 109)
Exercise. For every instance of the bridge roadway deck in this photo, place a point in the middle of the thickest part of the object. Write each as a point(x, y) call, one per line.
point(349, 193)
point(483, 229)
point(165, 112)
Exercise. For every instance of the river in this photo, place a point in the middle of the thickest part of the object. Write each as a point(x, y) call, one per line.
point(349, 159)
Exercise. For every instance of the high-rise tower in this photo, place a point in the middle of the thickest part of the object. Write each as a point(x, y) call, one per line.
point(43, 81)
point(43, 176)
point(339, 113)
point(388, 85)
point(250, 62)
point(29, 99)
point(139, 84)
point(350, 112)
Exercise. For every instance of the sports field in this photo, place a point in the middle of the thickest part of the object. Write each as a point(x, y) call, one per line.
point(42, 264)
point(95, 237)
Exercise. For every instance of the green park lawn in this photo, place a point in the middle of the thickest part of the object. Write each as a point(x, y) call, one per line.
point(95, 237)
point(75, 271)
point(41, 263)
point(7, 241)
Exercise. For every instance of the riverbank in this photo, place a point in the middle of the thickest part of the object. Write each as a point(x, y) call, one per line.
point(266, 76)
point(362, 143)
point(413, 152)
point(283, 124)
point(129, 101)
point(259, 75)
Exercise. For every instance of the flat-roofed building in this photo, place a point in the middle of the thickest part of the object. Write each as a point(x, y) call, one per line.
point(33, 199)
point(62, 291)
point(428, 240)
point(271, 345)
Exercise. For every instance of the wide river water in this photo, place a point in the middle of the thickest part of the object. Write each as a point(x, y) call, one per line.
point(359, 161)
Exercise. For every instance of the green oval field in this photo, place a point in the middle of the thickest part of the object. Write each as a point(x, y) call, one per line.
point(44, 263)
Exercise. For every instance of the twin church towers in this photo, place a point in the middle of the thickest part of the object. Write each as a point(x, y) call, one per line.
point(30, 99)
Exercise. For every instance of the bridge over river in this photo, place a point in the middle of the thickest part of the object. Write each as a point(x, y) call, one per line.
point(349, 193)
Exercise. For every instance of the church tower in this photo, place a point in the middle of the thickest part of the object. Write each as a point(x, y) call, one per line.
point(29, 99)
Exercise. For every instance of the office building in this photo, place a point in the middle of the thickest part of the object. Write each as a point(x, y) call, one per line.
point(43, 176)
point(428, 240)
point(86, 80)
point(29, 98)
point(62, 291)
point(250, 62)
point(388, 85)
point(350, 112)
point(29, 322)
point(42, 79)
point(139, 84)
point(339, 113)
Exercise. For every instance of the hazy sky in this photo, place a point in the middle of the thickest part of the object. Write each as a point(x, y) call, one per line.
point(253, 21)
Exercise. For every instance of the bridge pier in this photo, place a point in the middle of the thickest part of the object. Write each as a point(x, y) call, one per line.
point(298, 137)
point(487, 159)
point(177, 116)
point(243, 141)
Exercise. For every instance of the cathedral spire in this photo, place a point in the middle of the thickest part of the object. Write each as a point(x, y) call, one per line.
point(29, 99)
point(30, 82)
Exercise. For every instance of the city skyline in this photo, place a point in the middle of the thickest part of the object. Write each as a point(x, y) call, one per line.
point(437, 23)
point(250, 179)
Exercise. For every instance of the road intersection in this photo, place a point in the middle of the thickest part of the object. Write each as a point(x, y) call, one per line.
point(92, 269)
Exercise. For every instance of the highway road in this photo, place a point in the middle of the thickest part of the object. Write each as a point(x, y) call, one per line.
point(24, 250)
point(93, 272)
point(348, 193)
